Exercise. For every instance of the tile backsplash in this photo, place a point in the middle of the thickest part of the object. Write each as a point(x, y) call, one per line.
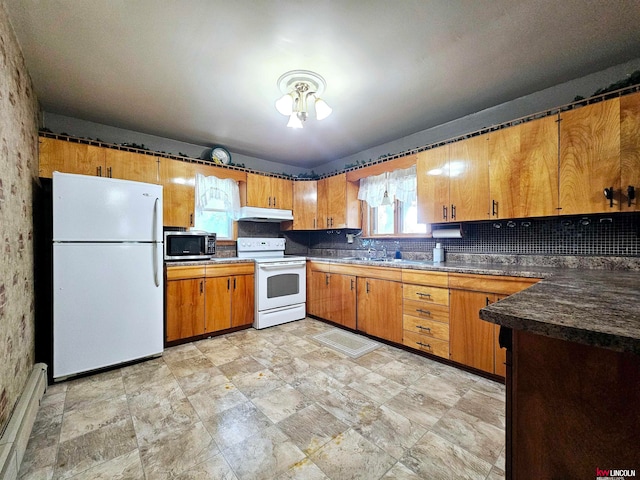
point(594, 235)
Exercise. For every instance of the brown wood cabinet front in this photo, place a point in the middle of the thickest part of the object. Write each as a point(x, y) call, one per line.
point(469, 179)
point(178, 185)
point(338, 206)
point(380, 308)
point(523, 170)
point(630, 152)
point(433, 185)
point(269, 192)
point(185, 308)
point(590, 158)
point(71, 157)
point(305, 205)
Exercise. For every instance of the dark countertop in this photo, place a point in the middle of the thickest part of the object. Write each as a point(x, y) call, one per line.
point(594, 307)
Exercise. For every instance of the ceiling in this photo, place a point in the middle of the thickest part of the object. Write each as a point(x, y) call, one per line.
point(206, 71)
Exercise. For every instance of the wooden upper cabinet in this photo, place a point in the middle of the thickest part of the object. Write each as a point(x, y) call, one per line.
point(131, 166)
point(69, 157)
point(305, 205)
point(433, 185)
point(269, 192)
point(590, 158)
point(523, 170)
point(469, 179)
point(178, 181)
point(630, 151)
point(338, 205)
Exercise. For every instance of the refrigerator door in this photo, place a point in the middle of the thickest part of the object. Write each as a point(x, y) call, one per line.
point(108, 305)
point(102, 209)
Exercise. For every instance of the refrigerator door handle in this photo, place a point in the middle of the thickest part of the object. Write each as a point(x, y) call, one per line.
point(155, 243)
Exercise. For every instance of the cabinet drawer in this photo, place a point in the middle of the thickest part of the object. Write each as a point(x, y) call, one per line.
point(426, 294)
point(436, 279)
point(426, 344)
point(230, 269)
point(179, 273)
point(428, 328)
point(425, 310)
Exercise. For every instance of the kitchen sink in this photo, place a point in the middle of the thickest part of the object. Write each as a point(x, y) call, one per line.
point(386, 260)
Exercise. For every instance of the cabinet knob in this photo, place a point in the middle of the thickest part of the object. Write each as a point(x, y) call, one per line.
point(608, 194)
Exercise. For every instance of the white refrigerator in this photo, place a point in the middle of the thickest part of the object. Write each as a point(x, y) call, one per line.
point(107, 272)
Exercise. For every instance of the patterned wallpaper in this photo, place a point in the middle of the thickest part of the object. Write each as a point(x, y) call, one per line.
point(18, 171)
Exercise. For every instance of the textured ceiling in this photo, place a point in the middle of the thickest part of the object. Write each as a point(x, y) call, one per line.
point(205, 71)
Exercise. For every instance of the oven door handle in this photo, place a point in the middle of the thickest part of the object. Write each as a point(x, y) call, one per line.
point(280, 265)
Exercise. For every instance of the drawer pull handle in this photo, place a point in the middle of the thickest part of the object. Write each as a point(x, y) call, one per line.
point(424, 328)
point(420, 294)
point(425, 345)
point(425, 312)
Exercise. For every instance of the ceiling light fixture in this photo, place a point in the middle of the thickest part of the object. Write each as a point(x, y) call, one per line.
point(299, 88)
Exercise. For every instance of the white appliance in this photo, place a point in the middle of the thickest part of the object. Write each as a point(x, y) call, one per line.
point(107, 275)
point(281, 281)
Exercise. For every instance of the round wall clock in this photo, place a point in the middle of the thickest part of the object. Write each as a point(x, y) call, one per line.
point(220, 155)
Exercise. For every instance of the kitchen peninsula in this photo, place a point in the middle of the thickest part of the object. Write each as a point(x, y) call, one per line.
point(573, 359)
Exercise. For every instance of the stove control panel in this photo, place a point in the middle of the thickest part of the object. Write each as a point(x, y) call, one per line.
point(248, 244)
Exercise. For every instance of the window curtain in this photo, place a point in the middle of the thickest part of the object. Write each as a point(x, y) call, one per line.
point(214, 188)
point(399, 184)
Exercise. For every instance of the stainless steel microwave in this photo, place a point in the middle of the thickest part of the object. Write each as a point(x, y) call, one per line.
point(191, 245)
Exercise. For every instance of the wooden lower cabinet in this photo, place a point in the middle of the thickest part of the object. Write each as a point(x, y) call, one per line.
point(332, 296)
point(380, 308)
point(474, 342)
point(185, 308)
point(202, 300)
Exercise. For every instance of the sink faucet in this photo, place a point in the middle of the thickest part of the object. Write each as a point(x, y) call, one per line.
point(384, 251)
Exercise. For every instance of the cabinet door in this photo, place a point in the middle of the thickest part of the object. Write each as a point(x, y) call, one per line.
point(471, 340)
point(70, 157)
point(132, 166)
point(185, 308)
point(380, 308)
point(630, 150)
point(433, 185)
point(323, 204)
point(504, 172)
point(319, 294)
point(469, 179)
point(305, 205)
point(538, 168)
point(337, 201)
point(281, 193)
point(343, 300)
point(242, 300)
point(523, 170)
point(590, 158)
point(178, 181)
point(259, 191)
point(218, 304)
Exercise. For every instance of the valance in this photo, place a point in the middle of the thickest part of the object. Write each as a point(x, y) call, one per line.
point(399, 184)
point(213, 193)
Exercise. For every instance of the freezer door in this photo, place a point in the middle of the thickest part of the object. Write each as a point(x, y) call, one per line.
point(87, 208)
point(107, 305)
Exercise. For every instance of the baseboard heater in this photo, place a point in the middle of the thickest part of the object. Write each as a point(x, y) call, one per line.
point(15, 437)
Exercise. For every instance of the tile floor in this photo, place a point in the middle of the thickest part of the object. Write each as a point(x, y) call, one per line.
point(271, 404)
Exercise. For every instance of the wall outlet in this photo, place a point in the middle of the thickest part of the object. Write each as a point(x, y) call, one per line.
point(350, 237)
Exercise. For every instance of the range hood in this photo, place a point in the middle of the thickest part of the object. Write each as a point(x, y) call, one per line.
point(257, 214)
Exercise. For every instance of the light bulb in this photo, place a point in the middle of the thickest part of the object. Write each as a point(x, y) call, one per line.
point(294, 121)
point(285, 104)
point(322, 109)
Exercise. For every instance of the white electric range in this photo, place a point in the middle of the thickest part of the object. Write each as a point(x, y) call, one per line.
point(280, 281)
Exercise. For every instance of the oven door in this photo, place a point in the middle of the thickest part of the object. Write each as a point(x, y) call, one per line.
point(280, 284)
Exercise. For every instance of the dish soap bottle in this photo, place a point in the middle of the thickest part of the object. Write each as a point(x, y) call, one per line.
point(438, 253)
point(398, 254)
